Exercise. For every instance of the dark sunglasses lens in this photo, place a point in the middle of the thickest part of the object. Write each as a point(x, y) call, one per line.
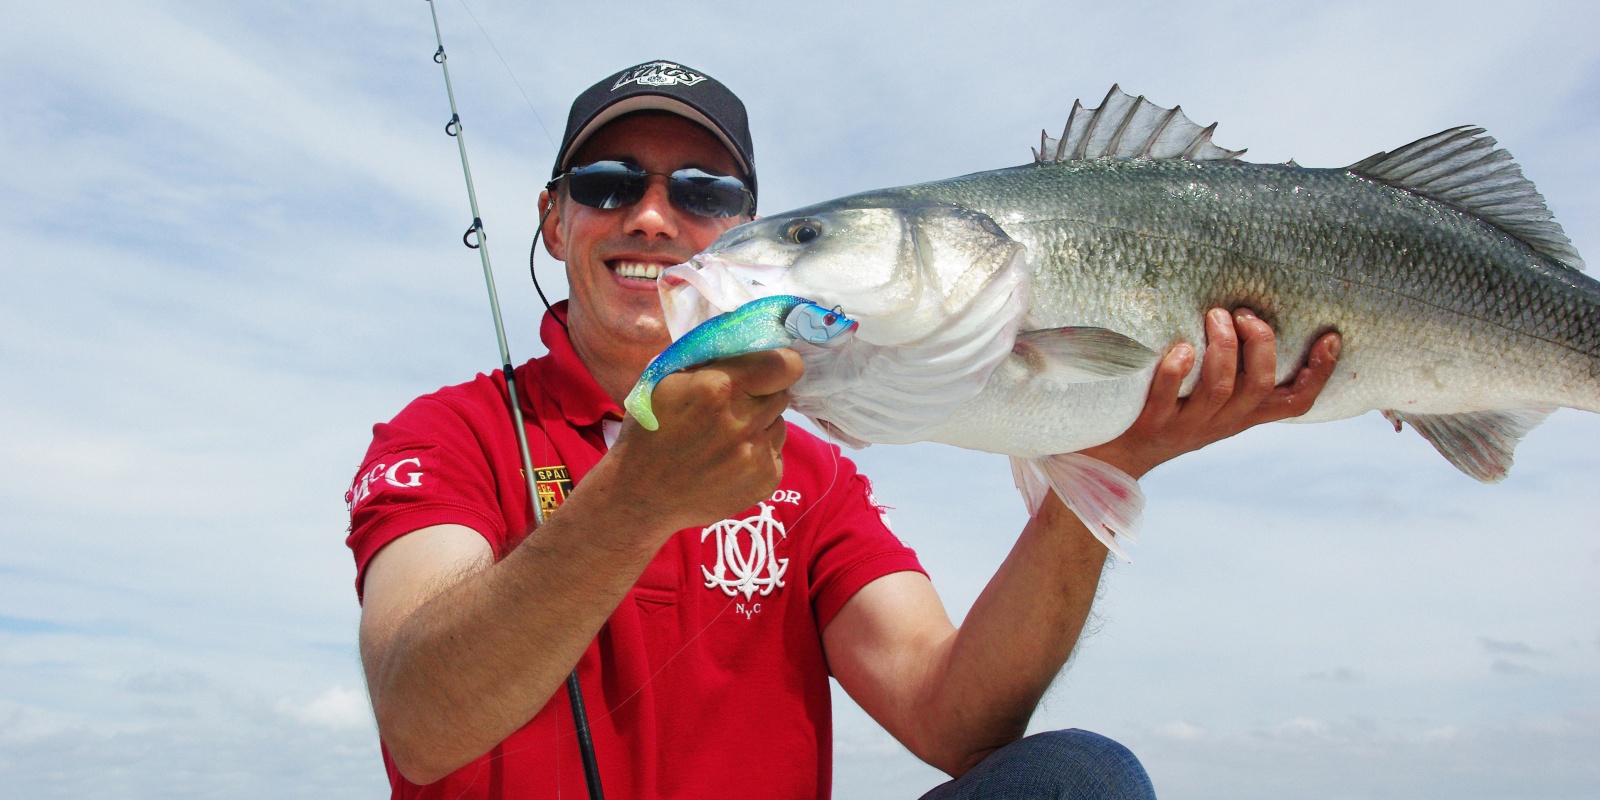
point(706, 195)
point(607, 184)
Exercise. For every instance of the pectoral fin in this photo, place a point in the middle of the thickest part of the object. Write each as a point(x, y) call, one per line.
point(1479, 443)
point(1105, 498)
point(1080, 355)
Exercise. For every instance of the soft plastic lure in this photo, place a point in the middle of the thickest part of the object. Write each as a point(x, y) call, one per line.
point(767, 323)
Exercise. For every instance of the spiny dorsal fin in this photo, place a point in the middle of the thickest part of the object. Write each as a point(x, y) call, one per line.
point(1130, 127)
point(1462, 167)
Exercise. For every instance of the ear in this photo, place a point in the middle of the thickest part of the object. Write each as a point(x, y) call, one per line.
point(553, 243)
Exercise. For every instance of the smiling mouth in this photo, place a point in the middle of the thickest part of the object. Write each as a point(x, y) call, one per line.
point(636, 270)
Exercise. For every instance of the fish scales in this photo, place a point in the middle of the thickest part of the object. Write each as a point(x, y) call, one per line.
point(1458, 298)
point(1146, 246)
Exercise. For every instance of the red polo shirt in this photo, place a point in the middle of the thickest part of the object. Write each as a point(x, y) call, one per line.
point(709, 680)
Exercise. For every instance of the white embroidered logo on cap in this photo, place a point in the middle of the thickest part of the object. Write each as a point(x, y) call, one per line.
point(756, 568)
point(659, 73)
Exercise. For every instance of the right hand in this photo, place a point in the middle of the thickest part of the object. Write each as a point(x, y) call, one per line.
point(719, 449)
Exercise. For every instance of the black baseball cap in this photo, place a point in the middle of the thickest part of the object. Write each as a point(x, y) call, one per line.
point(661, 86)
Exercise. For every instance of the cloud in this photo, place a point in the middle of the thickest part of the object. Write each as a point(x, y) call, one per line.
point(1501, 666)
point(1180, 730)
point(1318, 758)
point(177, 681)
point(1505, 647)
point(338, 708)
point(1336, 675)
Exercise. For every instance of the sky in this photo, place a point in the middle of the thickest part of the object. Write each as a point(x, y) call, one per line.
point(230, 242)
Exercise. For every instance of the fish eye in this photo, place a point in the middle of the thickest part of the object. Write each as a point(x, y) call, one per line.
point(829, 319)
point(803, 231)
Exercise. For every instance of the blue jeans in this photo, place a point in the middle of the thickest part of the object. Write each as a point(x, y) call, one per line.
point(1058, 765)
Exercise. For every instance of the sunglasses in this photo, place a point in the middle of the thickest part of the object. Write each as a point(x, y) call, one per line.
point(616, 184)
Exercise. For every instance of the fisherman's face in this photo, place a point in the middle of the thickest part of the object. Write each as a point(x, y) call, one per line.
point(613, 255)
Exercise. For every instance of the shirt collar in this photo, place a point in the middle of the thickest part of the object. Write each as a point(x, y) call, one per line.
point(566, 379)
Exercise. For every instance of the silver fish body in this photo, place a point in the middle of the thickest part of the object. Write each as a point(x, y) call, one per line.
point(1440, 311)
point(1021, 311)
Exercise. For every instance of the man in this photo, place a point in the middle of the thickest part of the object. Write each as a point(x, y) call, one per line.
point(706, 578)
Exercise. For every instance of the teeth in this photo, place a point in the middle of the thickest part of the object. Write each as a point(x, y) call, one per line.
point(633, 269)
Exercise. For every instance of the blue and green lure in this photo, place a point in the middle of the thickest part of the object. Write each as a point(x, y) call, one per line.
point(767, 323)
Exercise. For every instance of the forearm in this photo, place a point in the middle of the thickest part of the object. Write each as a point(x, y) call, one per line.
point(475, 662)
point(989, 675)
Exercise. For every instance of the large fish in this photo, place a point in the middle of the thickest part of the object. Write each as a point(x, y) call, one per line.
point(1021, 311)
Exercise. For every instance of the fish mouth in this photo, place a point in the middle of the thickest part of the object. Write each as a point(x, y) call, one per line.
point(705, 286)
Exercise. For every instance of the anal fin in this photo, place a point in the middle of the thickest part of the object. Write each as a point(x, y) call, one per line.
point(1106, 499)
point(1479, 443)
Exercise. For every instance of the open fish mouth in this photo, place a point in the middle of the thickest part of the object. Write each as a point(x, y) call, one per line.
point(705, 286)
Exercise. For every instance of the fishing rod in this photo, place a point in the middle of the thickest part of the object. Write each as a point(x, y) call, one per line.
point(475, 239)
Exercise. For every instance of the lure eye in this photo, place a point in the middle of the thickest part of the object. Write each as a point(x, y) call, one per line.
point(803, 231)
point(830, 318)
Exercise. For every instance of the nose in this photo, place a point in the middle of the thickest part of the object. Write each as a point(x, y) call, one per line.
point(653, 216)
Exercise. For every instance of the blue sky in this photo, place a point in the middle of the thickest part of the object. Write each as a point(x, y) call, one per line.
point(230, 241)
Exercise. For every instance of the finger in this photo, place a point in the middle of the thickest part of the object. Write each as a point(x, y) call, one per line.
point(1219, 368)
point(1259, 348)
point(763, 373)
point(1161, 405)
point(767, 410)
point(777, 434)
point(1297, 397)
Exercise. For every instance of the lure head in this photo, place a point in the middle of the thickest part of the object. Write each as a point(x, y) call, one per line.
point(811, 323)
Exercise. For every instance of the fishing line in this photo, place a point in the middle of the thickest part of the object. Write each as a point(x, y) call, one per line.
point(536, 117)
point(475, 239)
point(533, 249)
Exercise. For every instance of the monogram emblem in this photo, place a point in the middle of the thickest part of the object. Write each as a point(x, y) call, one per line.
point(747, 561)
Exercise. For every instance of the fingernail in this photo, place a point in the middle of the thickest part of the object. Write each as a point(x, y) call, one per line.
point(1244, 313)
point(1219, 316)
point(1335, 347)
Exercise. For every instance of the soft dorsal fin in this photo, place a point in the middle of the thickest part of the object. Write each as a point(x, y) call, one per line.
point(1462, 167)
point(1130, 127)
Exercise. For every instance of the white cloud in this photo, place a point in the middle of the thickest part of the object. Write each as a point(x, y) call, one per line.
point(1180, 730)
point(338, 708)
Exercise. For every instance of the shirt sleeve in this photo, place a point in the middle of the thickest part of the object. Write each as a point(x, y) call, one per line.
point(425, 467)
point(854, 545)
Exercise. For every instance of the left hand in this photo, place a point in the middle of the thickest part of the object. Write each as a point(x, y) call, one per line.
point(1235, 392)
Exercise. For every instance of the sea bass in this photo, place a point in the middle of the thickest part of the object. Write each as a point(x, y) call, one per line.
point(1021, 311)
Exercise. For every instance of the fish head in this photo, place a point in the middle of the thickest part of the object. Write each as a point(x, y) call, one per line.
point(900, 268)
point(936, 292)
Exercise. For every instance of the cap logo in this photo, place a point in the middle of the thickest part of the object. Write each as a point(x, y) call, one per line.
point(659, 73)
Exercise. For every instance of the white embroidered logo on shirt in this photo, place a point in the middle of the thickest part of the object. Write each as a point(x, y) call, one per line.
point(405, 474)
point(751, 570)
